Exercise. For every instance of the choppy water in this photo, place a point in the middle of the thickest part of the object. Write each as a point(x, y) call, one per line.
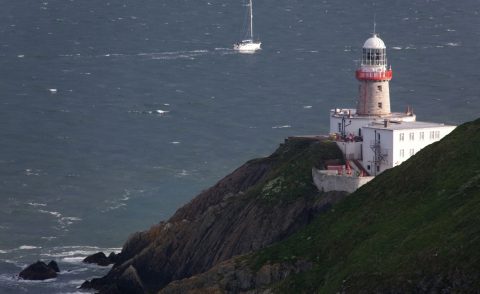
point(115, 113)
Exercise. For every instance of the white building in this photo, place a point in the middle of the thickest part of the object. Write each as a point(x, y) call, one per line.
point(371, 135)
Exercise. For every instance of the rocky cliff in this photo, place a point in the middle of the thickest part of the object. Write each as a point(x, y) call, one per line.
point(265, 229)
point(262, 202)
point(413, 229)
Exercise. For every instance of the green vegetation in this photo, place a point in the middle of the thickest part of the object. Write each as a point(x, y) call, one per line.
point(413, 227)
point(291, 175)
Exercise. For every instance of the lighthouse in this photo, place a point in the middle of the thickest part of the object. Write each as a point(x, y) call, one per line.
point(372, 137)
point(374, 78)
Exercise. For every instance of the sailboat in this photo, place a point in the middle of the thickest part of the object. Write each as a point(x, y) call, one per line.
point(248, 45)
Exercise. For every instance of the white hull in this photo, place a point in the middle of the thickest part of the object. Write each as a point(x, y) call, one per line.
point(247, 46)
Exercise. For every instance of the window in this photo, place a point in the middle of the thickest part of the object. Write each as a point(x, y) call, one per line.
point(437, 134)
point(422, 136)
point(378, 168)
point(359, 132)
point(368, 167)
point(379, 104)
point(378, 137)
point(412, 136)
point(412, 151)
point(379, 88)
point(339, 127)
point(402, 153)
point(402, 137)
point(432, 134)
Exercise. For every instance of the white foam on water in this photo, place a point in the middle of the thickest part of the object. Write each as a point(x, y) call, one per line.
point(175, 54)
point(182, 173)
point(15, 263)
point(49, 238)
point(32, 172)
point(54, 213)
point(397, 48)
point(162, 112)
point(174, 142)
point(67, 221)
point(120, 202)
point(76, 260)
point(158, 112)
point(307, 106)
point(282, 127)
point(28, 247)
point(36, 204)
point(451, 44)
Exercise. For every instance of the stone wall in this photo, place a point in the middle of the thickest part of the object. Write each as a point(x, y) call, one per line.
point(329, 181)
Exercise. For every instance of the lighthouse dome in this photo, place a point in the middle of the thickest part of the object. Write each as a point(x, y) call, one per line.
point(374, 43)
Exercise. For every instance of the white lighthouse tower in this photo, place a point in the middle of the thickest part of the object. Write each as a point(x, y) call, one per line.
point(374, 77)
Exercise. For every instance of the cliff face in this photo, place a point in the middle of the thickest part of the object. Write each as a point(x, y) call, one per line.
point(262, 202)
point(413, 229)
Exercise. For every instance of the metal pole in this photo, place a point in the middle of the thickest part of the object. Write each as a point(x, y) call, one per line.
point(251, 20)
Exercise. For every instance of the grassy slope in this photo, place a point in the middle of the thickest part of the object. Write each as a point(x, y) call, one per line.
point(291, 175)
point(419, 220)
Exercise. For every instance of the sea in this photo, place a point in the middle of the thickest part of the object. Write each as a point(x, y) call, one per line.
point(115, 113)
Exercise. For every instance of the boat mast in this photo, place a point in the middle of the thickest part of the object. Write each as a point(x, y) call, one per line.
point(251, 21)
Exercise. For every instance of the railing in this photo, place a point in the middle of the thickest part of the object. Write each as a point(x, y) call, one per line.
point(374, 76)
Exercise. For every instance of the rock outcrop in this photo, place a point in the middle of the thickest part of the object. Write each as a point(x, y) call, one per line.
point(40, 271)
point(101, 259)
point(53, 265)
point(236, 276)
point(260, 203)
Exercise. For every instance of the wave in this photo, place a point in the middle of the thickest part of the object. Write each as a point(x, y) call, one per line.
point(172, 55)
point(54, 213)
point(14, 279)
point(63, 221)
point(36, 204)
point(182, 173)
point(77, 251)
point(282, 127)
point(28, 247)
point(451, 44)
point(33, 172)
point(159, 112)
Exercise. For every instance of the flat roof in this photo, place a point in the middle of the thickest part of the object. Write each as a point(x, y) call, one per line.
point(406, 125)
point(342, 112)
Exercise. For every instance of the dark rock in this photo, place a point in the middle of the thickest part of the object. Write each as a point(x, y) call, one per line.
point(38, 271)
point(53, 265)
point(113, 257)
point(130, 282)
point(86, 285)
point(98, 258)
point(237, 276)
